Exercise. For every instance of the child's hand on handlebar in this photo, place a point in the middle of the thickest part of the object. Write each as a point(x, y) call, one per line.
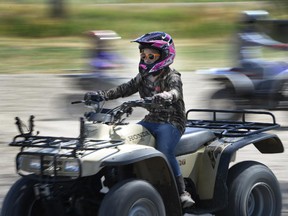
point(96, 96)
point(162, 97)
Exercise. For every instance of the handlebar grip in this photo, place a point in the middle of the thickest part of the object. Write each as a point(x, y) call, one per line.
point(148, 99)
point(77, 102)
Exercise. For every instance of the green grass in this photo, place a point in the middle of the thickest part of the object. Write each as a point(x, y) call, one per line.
point(33, 21)
point(32, 42)
point(41, 56)
point(63, 55)
point(123, 1)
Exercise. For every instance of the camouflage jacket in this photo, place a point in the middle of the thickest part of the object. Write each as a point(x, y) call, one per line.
point(170, 81)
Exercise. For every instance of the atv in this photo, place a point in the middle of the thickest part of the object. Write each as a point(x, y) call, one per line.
point(112, 167)
point(254, 82)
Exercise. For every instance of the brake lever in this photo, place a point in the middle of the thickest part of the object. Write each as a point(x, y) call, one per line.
point(165, 104)
point(90, 103)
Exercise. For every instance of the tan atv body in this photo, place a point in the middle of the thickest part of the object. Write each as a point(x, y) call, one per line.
point(113, 168)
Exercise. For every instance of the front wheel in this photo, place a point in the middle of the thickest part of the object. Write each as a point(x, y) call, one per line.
point(132, 198)
point(20, 200)
point(253, 191)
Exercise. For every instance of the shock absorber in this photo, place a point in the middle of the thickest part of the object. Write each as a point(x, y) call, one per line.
point(51, 204)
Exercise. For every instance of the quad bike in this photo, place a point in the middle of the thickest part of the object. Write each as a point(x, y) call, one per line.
point(113, 169)
point(253, 82)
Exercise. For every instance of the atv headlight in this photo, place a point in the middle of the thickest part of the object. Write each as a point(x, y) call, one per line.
point(34, 164)
point(28, 164)
point(72, 166)
point(48, 165)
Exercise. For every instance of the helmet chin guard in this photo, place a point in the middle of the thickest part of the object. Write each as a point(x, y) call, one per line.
point(162, 42)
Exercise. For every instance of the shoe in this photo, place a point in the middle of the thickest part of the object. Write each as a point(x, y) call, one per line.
point(186, 200)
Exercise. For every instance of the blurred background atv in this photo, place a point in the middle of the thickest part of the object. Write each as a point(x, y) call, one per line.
point(254, 82)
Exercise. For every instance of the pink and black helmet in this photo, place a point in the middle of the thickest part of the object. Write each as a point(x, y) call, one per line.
point(162, 42)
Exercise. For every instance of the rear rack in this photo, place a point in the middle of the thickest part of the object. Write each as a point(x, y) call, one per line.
point(230, 128)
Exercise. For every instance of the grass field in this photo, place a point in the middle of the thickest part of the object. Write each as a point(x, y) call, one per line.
point(183, 21)
point(124, 1)
point(32, 42)
point(59, 55)
point(67, 54)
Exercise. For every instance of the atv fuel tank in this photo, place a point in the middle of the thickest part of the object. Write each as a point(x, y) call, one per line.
point(130, 133)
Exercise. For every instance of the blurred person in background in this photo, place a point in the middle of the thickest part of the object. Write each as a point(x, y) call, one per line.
point(250, 42)
point(102, 56)
point(157, 80)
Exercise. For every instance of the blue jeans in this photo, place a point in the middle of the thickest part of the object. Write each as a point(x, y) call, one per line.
point(167, 137)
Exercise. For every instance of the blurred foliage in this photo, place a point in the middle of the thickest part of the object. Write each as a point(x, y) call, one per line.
point(123, 1)
point(69, 55)
point(31, 20)
point(46, 55)
point(31, 42)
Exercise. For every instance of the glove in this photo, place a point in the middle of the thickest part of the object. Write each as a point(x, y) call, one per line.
point(96, 96)
point(162, 97)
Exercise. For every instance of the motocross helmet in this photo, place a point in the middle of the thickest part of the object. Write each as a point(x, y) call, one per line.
point(160, 41)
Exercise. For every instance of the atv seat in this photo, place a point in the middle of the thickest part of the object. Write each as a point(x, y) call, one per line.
point(192, 140)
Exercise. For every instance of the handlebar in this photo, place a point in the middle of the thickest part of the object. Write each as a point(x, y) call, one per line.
point(144, 102)
point(115, 115)
point(147, 103)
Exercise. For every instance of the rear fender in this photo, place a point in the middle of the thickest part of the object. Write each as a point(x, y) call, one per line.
point(265, 143)
point(151, 165)
point(283, 75)
point(272, 144)
point(238, 81)
point(280, 80)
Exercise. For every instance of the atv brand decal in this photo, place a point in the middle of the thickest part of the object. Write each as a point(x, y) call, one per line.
point(138, 136)
point(182, 162)
point(214, 151)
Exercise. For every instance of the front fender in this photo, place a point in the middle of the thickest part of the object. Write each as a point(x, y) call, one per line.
point(125, 156)
point(152, 166)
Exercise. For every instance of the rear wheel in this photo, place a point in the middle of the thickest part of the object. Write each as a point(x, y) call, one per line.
point(132, 198)
point(224, 99)
point(283, 100)
point(253, 191)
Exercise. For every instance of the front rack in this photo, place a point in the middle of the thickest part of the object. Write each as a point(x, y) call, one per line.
point(49, 157)
point(72, 145)
point(63, 143)
point(230, 128)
